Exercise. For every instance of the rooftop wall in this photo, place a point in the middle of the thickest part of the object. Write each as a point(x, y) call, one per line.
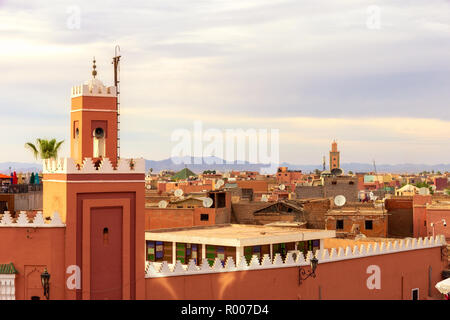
point(341, 274)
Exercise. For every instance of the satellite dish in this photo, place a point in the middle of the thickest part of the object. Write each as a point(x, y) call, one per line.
point(220, 183)
point(264, 198)
point(336, 171)
point(148, 187)
point(339, 200)
point(162, 204)
point(282, 187)
point(208, 202)
point(178, 193)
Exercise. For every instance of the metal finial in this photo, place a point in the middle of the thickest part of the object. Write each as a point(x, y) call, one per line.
point(94, 72)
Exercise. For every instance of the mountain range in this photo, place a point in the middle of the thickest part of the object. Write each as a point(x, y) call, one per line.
point(213, 163)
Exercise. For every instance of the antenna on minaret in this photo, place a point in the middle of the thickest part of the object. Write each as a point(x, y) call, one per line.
point(115, 62)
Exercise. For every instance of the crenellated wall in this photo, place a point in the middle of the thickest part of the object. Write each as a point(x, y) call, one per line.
point(68, 166)
point(293, 258)
point(349, 273)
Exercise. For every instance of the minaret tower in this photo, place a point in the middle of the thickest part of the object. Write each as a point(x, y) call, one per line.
point(101, 201)
point(334, 156)
point(93, 121)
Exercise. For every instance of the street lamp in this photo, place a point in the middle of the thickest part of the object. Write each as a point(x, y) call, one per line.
point(303, 275)
point(442, 221)
point(45, 278)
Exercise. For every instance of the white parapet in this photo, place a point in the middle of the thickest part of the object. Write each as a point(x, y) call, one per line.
point(164, 269)
point(68, 166)
point(93, 88)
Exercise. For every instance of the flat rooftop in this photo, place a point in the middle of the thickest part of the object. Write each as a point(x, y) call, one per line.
point(238, 235)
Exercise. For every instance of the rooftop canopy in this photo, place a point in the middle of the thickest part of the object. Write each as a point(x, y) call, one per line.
point(237, 235)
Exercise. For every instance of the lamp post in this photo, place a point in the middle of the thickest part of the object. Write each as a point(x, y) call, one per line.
point(45, 278)
point(303, 275)
point(433, 223)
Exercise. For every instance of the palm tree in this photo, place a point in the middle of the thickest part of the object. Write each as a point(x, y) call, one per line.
point(45, 149)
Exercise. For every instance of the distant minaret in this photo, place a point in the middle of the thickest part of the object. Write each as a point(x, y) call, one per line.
point(323, 163)
point(334, 156)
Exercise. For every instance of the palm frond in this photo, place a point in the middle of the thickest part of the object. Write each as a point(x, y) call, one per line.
point(33, 149)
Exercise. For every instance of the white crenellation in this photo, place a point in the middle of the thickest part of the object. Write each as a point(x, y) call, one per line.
point(242, 265)
point(93, 88)
point(191, 266)
point(217, 265)
point(68, 166)
point(323, 255)
point(229, 264)
point(39, 219)
point(278, 261)
point(88, 166)
point(204, 267)
point(254, 263)
point(23, 218)
point(106, 166)
point(178, 268)
point(23, 221)
point(266, 261)
point(6, 219)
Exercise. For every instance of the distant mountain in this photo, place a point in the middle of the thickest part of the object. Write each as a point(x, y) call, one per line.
point(19, 167)
point(214, 163)
point(198, 165)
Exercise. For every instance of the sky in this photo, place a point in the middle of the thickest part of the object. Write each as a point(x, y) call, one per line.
point(374, 75)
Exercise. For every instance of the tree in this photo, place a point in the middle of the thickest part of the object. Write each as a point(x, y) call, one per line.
point(45, 149)
point(350, 172)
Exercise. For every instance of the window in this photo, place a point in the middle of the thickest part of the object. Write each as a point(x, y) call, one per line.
point(369, 224)
point(333, 182)
point(204, 217)
point(155, 250)
point(415, 294)
point(339, 224)
point(351, 182)
point(105, 236)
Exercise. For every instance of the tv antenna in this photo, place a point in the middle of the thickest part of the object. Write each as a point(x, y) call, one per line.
point(376, 177)
point(116, 63)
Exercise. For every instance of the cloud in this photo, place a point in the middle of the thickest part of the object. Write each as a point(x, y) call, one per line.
point(312, 69)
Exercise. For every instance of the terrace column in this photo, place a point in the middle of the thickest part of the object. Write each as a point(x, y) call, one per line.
point(174, 252)
point(271, 251)
point(203, 251)
point(239, 254)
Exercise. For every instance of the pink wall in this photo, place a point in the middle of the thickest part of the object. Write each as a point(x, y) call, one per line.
point(31, 250)
point(436, 216)
point(419, 215)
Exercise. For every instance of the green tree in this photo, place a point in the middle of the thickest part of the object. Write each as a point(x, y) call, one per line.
point(45, 149)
